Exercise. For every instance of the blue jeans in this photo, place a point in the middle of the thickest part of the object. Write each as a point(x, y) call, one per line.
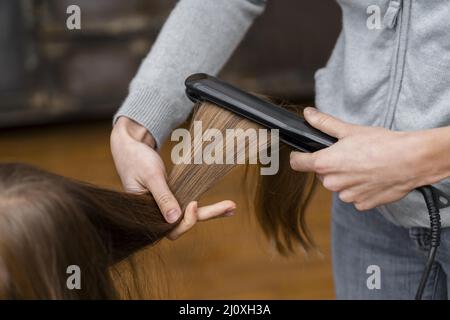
point(375, 259)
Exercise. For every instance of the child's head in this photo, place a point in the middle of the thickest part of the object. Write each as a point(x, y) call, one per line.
point(49, 223)
point(43, 230)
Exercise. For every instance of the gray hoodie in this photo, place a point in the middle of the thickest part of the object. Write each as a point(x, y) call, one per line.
point(392, 72)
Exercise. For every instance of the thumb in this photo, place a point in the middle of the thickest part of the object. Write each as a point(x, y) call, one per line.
point(166, 201)
point(326, 123)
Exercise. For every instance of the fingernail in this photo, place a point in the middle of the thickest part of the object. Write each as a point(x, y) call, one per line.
point(310, 110)
point(172, 215)
point(229, 213)
point(293, 154)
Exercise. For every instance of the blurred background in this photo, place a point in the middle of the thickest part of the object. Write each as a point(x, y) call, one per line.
point(59, 89)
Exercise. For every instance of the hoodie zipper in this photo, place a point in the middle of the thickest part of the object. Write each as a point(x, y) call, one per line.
point(397, 16)
point(391, 16)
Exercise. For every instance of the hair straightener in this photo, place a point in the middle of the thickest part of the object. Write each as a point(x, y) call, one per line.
point(296, 132)
point(293, 129)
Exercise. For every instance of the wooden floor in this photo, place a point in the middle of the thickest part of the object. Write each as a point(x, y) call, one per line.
point(220, 259)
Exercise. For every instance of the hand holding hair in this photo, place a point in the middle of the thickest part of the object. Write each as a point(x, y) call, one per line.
point(141, 169)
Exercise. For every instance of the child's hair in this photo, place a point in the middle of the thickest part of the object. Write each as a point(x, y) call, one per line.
point(49, 222)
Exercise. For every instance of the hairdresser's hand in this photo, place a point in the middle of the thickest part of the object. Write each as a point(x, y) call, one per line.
point(141, 169)
point(368, 166)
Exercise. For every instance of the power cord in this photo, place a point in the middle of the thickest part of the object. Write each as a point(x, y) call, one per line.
point(435, 200)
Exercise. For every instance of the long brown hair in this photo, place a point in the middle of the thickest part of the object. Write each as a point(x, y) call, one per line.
point(48, 222)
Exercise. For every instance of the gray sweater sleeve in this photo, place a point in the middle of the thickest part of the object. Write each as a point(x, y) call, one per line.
point(199, 36)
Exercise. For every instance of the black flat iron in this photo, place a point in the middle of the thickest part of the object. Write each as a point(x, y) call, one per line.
point(293, 129)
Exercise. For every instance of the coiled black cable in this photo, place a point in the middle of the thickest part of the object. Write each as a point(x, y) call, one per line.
point(435, 235)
